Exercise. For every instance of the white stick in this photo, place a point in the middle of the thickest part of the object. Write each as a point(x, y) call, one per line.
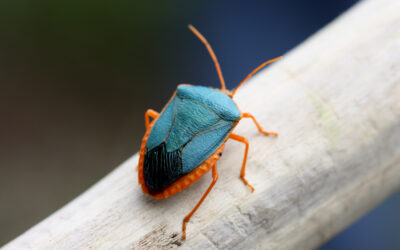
point(335, 100)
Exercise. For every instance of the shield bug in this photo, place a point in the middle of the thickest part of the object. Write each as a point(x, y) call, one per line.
point(186, 139)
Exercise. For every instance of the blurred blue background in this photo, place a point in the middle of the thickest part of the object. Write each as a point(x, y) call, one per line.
point(77, 76)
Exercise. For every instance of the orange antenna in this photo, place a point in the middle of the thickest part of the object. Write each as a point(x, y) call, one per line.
point(210, 50)
point(253, 72)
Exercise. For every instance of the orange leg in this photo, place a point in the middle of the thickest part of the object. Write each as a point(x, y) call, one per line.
point(187, 217)
point(242, 172)
point(247, 115)
point(150, 113)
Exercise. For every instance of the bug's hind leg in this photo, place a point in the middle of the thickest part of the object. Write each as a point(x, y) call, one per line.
point(187, 217)
point(150, 113)
point(242, 171)
point(248, 115)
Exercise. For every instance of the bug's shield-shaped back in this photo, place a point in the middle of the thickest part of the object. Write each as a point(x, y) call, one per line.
point(193, 125)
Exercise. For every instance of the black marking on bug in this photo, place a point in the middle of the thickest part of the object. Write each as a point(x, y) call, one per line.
point(220, 154)
point(161, 168)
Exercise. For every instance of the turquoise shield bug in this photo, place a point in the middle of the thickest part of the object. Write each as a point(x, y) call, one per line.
point(186, 139)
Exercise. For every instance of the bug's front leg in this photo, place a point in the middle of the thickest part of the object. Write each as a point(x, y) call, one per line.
point(248, 115)
point(242, 171)
point(187, 217)
point(150, 113)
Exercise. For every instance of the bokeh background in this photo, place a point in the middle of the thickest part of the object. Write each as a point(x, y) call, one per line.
point(76, 77)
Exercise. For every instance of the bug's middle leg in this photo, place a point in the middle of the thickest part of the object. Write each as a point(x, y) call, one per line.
point(248, 115)
point(242, 171)
point(187, 217)
point(150, 113)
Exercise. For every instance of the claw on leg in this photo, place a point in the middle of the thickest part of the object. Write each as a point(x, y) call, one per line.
point(187, 217)
point(242, 171)
point(248, 115)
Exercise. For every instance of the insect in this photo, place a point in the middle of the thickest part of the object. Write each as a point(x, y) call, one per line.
point(186, 139)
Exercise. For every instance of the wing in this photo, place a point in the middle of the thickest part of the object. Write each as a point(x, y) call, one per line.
point(204, 144)
point(187, 132)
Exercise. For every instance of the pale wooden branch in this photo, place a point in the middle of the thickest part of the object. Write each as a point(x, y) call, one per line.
point(335, 100)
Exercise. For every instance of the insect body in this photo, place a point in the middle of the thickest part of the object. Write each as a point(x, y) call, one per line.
point(187, 138)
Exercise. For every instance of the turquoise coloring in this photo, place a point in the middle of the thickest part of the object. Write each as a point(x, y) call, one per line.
point(213, 99)
point(196, 121)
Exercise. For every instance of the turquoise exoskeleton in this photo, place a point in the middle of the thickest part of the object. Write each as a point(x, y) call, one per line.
point(193, 125)
point(185, 141)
